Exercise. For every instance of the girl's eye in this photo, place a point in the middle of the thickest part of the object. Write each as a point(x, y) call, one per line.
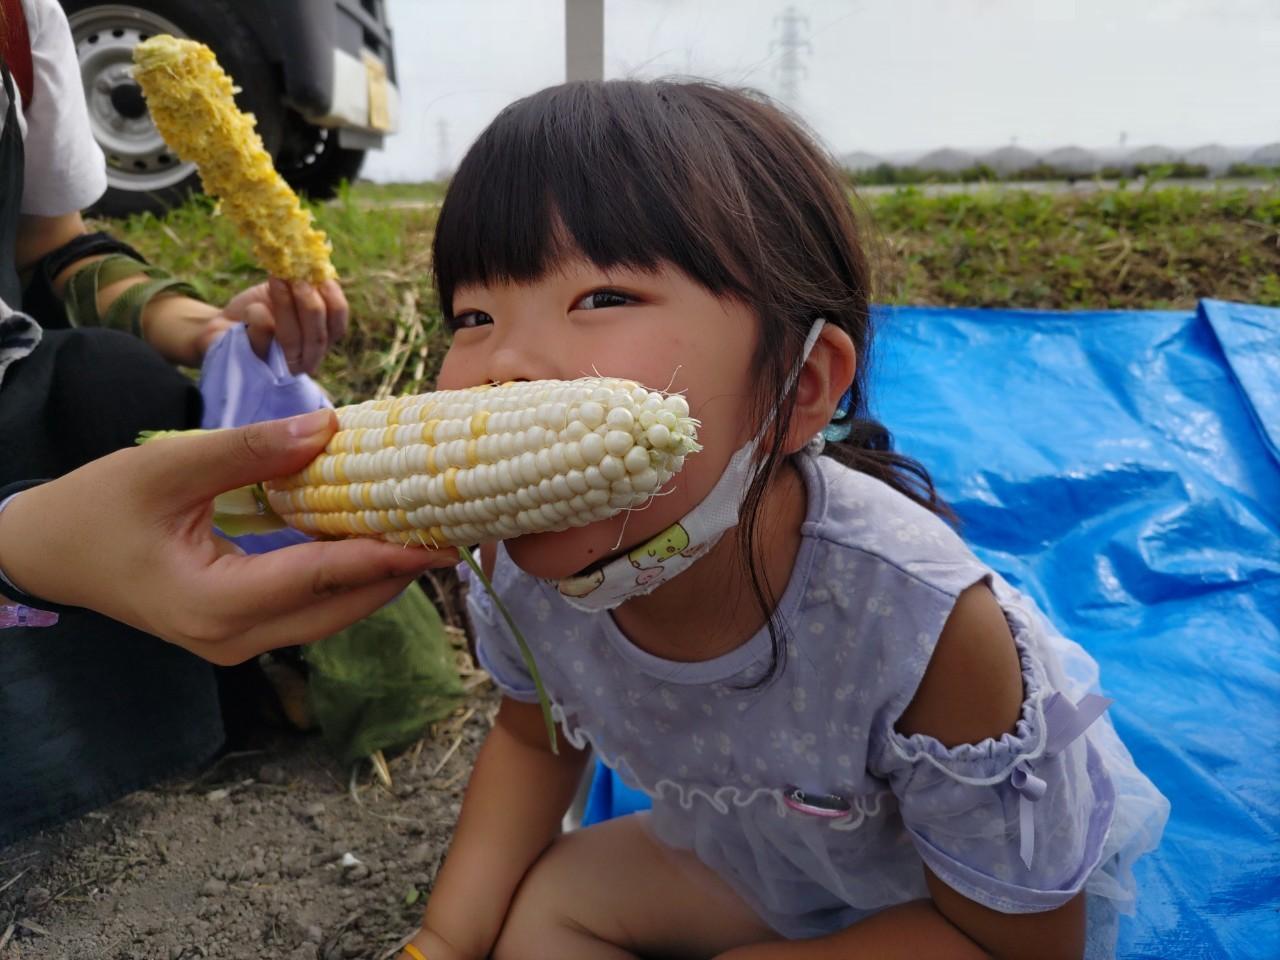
point(599, 299)
point(472, 318)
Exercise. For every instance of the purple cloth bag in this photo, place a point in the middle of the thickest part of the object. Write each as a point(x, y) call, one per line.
point(239, 388)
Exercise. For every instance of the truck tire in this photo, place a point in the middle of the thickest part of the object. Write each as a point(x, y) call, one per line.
point(142, 174)
point(312, 162)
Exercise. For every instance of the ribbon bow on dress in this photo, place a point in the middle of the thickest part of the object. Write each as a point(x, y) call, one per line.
point(1064, 723)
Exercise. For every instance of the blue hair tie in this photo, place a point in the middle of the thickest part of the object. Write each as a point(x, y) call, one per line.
point(837, 432)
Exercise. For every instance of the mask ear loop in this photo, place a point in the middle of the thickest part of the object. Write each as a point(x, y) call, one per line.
point(815, 446)
point(810, 340)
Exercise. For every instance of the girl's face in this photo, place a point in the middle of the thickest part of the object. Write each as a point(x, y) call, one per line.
point(658, 328)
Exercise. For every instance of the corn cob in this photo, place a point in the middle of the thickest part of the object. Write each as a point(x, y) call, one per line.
point(460, 467)
point(192, 102)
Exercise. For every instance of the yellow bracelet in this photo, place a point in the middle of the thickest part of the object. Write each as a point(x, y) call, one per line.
point(414, 952)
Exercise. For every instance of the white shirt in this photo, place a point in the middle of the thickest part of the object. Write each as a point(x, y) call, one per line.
point(65, 170)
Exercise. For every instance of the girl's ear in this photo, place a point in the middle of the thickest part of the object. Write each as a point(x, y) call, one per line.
point(823, 380)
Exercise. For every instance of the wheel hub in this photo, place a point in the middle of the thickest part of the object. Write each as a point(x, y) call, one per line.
point(128, 100)
point(137, 157)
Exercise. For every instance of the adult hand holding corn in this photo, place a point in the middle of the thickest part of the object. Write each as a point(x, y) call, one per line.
point(129, 535)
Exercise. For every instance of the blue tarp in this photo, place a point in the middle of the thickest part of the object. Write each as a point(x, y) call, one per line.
point(1123, 468)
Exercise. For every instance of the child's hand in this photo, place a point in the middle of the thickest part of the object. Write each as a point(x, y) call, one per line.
point(432, 946)
point(306, 320)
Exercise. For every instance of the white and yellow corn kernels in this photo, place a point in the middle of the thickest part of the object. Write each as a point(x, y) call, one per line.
point(460, 467)
point(191, 100)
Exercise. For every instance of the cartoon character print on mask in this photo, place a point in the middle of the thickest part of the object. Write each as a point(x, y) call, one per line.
point(580, 586)
point(649, 557)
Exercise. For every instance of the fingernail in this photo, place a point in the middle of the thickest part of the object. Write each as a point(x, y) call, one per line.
point(302, 287)
point(278, 286)
point(309, 424)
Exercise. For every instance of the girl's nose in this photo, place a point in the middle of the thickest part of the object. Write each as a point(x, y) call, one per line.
point(524, 352)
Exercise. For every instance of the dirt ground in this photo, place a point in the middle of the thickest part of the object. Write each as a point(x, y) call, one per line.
point(276, 853)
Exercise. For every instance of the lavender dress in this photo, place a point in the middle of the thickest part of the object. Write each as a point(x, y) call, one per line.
point(1019, 824)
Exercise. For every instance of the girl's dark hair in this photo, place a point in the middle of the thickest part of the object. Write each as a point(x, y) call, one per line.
point(718, 182)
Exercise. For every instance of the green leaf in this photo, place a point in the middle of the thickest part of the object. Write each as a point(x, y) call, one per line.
point(237, 512)
point(543, 701)
point(245, 510)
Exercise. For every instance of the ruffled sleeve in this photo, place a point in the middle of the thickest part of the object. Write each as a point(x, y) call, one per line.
point(496, 648)
point(1016, 824)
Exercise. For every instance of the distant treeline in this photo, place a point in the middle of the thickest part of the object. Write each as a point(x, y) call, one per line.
point(885, 174)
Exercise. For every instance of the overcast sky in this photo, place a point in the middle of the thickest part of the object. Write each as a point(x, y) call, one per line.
point(878, 75)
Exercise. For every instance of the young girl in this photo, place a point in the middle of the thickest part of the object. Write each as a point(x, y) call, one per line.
point(859, 740)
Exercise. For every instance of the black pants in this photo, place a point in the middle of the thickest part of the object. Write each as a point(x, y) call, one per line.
point(91, 709)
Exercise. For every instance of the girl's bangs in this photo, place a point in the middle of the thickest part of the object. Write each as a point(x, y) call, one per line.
point(579, 170)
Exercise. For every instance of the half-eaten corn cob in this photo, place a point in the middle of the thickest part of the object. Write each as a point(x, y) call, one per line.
point(460, 467)
point(192, 101)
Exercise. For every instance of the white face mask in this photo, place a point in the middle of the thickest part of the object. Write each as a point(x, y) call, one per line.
point(648, 566)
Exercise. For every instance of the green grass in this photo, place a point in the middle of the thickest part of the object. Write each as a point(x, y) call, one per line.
point(397, 192)
point(1158, 248)
point(382, 253)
